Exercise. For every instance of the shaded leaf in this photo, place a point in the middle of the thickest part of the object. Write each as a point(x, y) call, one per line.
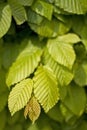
point(55, 113)
point(32, 109)
point(46, 88)
point(33, 17)
point(25, 2)
point(80, 74)
point(20, 95)
point(50, 28)
point(75, 100)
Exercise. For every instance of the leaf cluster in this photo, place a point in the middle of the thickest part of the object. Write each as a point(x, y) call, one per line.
point(43, 63)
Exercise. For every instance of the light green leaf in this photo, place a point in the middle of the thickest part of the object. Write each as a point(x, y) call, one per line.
point(70, 38)
point(71, 6)
point(18, 12)
point(5, 19)
point(75, 100)
point(25, 64)
point(25, 2)
point(80, 74)
point(43, 8)
point(20, 95)
point(32, 109)
point(46, 87)
point(61, 52)
point(63, 74)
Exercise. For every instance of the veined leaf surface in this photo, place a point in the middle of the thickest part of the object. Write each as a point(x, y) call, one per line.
point(20, 95)
point(61, 52)
point(46, 87)
point(24, 65)
point(5, 19)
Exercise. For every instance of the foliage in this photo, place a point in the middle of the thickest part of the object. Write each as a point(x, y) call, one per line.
point(43, 64)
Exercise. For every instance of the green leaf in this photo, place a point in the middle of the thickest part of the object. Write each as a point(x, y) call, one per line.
point(46, 87)
point(20, 95)
point(25, 63)
point(80, 74)
point(25, 2)
point(43, 8)
point(5, 19)
point(33, 17)
point(32, 109)
point(69, 117)
point(75, 100)
point(61, 52)
point(50, 28)
point(70, 38)
point(18, 12)
point(63, 74)
point(71, 6)
point(55, 113)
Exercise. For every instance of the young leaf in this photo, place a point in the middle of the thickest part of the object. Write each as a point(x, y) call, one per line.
point(18, 11)
point(5, 19)
point(32, 109)
point(63, 74)
point(43, 8)
point(70, 38)
point(20, 95)
point(61, 52)
point(75, 100)
point(24, 65)
point(46, 87)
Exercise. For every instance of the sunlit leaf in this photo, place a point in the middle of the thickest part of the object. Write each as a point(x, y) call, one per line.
point(46, 87)
point(20, 95)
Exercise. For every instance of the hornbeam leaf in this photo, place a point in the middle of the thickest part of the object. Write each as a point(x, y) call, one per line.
point(75, 99)
point(80, 74)
point(24, 65)
point(63, 74)
point(43, 8)
point(61, 52)
point(5, 19)
point(46, 87)
point(70, 38)
point(50, 28)
point(71, 6)
point(32, 109)
point(18, 11)
point(25, 2)
point(20, 95)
